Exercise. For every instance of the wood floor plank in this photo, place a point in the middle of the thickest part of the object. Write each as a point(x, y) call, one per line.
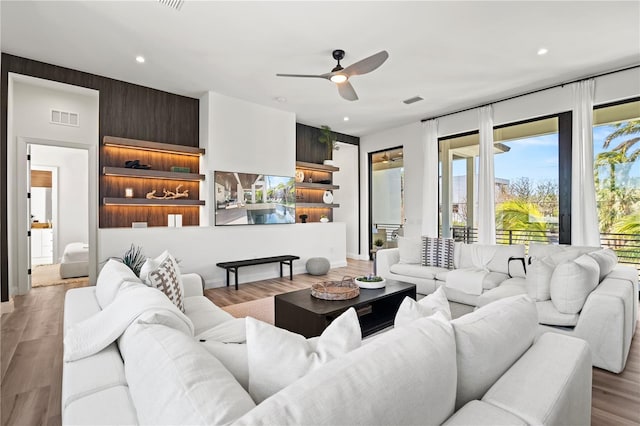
point(31, 351)
point(26, 408)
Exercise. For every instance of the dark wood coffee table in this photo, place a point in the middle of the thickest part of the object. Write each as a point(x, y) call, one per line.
point(302, 313)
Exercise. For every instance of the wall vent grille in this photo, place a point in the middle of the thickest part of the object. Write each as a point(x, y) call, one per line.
point(65, 118)
point(175, 4)
point(413, 100)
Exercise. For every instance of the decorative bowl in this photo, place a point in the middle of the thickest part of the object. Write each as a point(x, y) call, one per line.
point(370, 284)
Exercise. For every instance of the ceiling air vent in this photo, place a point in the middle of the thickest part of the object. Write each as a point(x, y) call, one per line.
point(413, 100)
point(175, 4)
point(65, 118)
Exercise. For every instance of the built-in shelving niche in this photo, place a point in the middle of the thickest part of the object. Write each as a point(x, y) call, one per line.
point(316, 179)
point(119, 211)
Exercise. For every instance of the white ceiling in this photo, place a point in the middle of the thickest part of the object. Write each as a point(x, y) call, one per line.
point(453, 54)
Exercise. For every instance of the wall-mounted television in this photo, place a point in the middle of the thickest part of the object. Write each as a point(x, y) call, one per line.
point(254, 199)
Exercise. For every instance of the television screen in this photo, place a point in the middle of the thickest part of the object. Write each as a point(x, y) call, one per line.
point(254, 199)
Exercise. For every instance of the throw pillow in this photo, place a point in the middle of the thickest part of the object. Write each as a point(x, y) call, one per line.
point(607, 261)
point(278, 357)
point(410, 310)
point(166, 279)
point(571, 283)
point(539, 278)
point(437, 252)
point(410, 250)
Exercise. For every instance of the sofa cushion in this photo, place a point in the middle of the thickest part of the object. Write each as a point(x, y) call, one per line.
point(233, 356)
point(111, 277)
point(410, 250)
point(204, 314)
point(274, 366)
point(410, 310)
point(509, 288)
point(559, 393)
point(571, 283)
point(480, 413)
point(607, 261)
point(490, 257)
point(417, 271)
point(174, 380)
point(79, 304)
point(549, 315)
point(92, 374)
point(489, 341)
point(111, 406)
point(539, 250)
point(493, 280)
point(438, 252)
point(405, 376)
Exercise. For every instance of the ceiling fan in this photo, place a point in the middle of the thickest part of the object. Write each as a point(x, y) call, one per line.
point(340, 75)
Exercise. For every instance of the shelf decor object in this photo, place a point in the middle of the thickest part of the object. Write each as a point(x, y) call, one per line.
point(169, 187)
point(316, 189)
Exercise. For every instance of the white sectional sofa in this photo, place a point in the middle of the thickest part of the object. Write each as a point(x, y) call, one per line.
point(604, 311)
point(482, 368)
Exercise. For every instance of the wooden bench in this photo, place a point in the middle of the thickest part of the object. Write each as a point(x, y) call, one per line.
point(233, 266)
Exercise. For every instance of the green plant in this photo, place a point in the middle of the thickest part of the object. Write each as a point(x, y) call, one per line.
point(370, 279)
point(378, 242)
point(327, 137)
point(133, 258)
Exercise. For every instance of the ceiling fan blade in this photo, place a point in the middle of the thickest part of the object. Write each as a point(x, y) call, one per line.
point(367, 64)
point(347, 91)
point(303, 75)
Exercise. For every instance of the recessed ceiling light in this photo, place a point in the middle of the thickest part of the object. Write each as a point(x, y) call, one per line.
point(140, 59)
point(543, 51)
point(346, 119)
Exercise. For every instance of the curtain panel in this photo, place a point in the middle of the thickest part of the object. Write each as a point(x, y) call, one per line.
point(585, 229)
point(430, 179)
point(486, 180)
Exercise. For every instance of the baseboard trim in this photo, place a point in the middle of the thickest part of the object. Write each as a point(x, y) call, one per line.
point(6, 307)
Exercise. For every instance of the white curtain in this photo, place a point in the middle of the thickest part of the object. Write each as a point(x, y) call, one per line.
point(486, 180)
point(584, 210)
point(430, 178)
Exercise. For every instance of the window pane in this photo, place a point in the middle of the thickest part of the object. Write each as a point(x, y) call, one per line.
point(616, 148)
point(526, 179)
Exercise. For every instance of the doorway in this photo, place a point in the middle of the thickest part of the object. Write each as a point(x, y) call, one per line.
point(386, 197)
point(59, 214)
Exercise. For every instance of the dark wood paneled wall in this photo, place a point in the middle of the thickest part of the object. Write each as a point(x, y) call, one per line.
point(126, 110)
point(310, 150)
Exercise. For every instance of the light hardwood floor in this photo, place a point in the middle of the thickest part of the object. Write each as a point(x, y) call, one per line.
point(31, 354)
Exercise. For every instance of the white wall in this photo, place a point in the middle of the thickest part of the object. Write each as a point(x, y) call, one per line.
point(29, 103)
point(239, 137)
point(73, 191)
point(609, 88)
point(346, 157)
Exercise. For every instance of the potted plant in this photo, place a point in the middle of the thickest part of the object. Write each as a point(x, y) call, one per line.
point(370, 282)
point(327, 138)
point(379, 242)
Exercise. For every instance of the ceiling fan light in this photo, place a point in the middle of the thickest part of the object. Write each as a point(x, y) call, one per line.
point(338, 78)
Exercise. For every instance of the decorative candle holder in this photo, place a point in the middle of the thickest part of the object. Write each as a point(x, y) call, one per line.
point(128, 192)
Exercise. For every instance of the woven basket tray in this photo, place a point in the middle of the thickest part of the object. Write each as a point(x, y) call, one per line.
point(336, 290)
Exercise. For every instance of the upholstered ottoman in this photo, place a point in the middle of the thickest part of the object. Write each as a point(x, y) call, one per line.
point(318, 265)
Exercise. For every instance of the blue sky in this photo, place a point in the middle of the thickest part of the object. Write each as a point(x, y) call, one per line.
point(537, 157)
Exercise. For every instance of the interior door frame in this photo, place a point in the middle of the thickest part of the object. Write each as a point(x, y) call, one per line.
point(21, 250)
point(370, 209)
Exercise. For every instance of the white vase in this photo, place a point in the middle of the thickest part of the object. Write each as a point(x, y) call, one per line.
point(329, 163)
point(324, 219)
point(327, 197)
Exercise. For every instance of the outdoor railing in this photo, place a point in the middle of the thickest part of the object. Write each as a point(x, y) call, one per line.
point(626, 246)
